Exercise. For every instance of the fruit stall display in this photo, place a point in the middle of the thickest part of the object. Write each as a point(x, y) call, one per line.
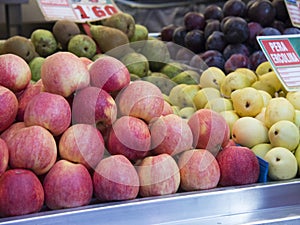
point(108, 122)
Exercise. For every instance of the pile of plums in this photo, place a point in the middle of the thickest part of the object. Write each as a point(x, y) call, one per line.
point(225, 35)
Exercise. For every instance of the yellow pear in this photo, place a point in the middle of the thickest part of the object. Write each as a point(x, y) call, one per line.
point(294, 98)
point(261, 149)
point(212, 77)
point(248, 131)
point(263, 68)
point(271, 79)
point(261, 115)
point(279, 109)
point(247, 101)
point(219, 104)
point(186, 112)
point(266, 96)
point(230, 116)
point(260, 85)
point(233, 81)
point(204, 95)
point(249, 73)
point(183, 96)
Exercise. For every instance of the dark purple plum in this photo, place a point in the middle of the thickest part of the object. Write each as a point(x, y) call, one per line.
point(211, 26)
point(261, 11)
point(179, 35)
point(213, 58)
point(213, 11)
point(216, 41)
point(235, 8)
point(281, 10)
point(166, 33)
point(195, 41)
point(194, 20)
point(231, 49)
point(291, 30)
point(236, 61)
point(254, 29)
point(268, 31)
point(235, 30)
point(256, 58)
point(279, 25)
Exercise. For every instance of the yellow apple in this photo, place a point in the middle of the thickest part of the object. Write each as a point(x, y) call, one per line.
point(282, 164)
point(279, 109)
point(205, 94)
point(247, 101)
point(219, 104)
point(284, 133)
point(248, 131)
point(230, 116)
point(212, 77)
point(261, 149)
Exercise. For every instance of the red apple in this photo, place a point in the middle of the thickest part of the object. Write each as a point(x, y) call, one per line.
point(170, 134)
point(67, 185)
point(159, 175)
point(63, 73)
point(15, 72)
point(210, 130)
point(32, 148)
point(94, 106)
point(129, 136)
point(9, 107)
point(29, 92)
point(21, 192)
point(115, 178)
point(11, 130)
point(141, 99)
point(109, 74)
point(238, 165)
point(199, 170)
point(82, 143)
point(51, 111)
point(86, 61)
point(4, 157)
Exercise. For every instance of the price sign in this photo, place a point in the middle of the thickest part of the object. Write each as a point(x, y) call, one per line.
point(293, 7)
point(283, 52)
point(77, 10)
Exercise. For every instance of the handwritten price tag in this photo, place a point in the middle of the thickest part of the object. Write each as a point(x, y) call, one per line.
point(77, 10)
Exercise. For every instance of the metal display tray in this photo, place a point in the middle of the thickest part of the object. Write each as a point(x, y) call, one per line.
point(260, 203)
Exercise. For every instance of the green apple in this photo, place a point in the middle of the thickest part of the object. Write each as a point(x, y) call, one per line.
point(284, 133)
point(44, 42)
point(294, 98)
point(35, 66)
point(219, 104)
point(247, 101)
point(204, 95)
point(82, 45)
point(248, 131)
point(282, 164)
point(279, 109)
point(212, 77)
point(261, 149)
point(230, 116)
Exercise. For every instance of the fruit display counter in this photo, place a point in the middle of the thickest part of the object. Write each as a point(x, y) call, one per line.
point(268, 203)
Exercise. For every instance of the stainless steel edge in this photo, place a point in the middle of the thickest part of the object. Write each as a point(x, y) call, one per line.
point(262, 203)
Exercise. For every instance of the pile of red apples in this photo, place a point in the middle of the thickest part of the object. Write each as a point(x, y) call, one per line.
point(85, 132)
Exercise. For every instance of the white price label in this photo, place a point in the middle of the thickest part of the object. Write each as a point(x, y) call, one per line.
point(77, 10)
point(293, 7)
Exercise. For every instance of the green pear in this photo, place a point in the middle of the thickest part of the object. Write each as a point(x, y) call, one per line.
point(121, 21)
point(108, 38)
point(44, 42)
point(172, 69)
point(187, 77)
point(82, 45)
point(1, 45)
point(163, 83)
point(140, 33)
point(134, 77)
point(35, 66)
point(136, 63)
